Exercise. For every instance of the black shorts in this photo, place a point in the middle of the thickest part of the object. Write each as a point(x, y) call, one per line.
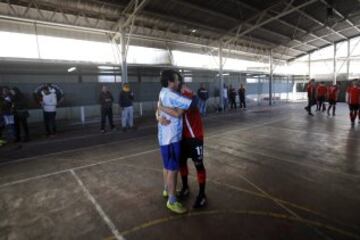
point(192, 148)
point(332, 102)
point(321, 99)
point(354, 107)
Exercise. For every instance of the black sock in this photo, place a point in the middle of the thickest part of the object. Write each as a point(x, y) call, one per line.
point(184, 181)
point(202, 189)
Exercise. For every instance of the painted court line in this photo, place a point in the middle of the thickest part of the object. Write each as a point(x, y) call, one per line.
point(73, 150)
point(113, 159)
point(98, 208)
point(256, 194)
point(122, 140)
point(324, 169)
point(281, 205)
point(76, 168)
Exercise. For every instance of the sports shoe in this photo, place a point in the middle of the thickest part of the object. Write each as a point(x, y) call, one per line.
point(200, 201)
point(176, 207)
point(165, 194)
point(183, 193)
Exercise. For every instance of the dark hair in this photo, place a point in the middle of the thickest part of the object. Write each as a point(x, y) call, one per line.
point(167, 76)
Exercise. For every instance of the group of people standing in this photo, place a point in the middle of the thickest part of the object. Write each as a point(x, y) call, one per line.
point(230, 94)
point(126, 98)
point(318, 94)
point(13, 116)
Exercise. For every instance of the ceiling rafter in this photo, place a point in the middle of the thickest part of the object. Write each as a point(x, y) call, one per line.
point(305, 14)
point(290, 25)
point(261, 22)
point(348, 21)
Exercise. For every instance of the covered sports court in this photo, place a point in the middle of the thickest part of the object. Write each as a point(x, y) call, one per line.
point(272, 170)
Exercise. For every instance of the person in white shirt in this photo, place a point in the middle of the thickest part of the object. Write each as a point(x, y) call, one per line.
point(49, 103)
point(225, 97)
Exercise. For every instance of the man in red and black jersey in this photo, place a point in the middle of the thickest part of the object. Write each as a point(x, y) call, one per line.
point(321, 92)
point(192, 146)
point(333, 94)
point(353, 99)
point(311, 92)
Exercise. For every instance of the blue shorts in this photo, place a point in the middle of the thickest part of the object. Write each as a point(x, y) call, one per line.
point(171, 156)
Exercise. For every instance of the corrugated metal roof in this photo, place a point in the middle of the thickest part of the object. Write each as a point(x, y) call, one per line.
point(298, 26)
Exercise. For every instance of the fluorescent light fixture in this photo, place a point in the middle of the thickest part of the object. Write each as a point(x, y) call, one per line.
point(108, 67)
point(71, 69)
point(224, 74)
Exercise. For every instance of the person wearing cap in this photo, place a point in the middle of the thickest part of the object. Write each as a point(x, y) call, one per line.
point(126, 99)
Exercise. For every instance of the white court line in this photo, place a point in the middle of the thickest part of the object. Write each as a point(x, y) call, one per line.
point(98, 208)
point(324, 169)
point(282, 205)
point(73, 150)
point(76, 168)
point(115, 133)
point(220, 133)
point(115, 142)
point(315, 133)
point(111, 160)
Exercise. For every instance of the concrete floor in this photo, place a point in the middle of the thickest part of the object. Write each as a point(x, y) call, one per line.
point(272, 174)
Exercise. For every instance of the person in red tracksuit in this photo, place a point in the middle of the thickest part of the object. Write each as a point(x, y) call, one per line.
point(333, 94)
point(311, 92)
point(321, 92)
point(353, 99)
point(192, 146)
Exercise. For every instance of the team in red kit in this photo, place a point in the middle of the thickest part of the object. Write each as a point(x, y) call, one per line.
point(319, 93)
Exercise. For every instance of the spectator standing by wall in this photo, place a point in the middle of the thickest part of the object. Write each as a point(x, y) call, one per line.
point(232, 97)
point(242, 96)
point(8, 115)
point(126, 99)
point(225, 97)
point(106, 101)
point(203, 95)
point(49, 103)
point(21, 114)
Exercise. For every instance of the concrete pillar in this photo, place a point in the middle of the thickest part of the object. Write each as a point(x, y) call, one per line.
point(270, 77)
point(309, 65)
point(348, 60)
point(334, 62)
point(124, 75)
point(221, 76)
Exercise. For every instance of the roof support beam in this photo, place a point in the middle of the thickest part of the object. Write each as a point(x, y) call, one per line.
point(341, 15)
point(205, 10)
point(123, 21)
point(321, 24)
point(271, 13)
point(326, 35)
point(259, 18)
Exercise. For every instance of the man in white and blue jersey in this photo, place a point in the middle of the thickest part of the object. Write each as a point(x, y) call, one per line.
point(170, 136)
